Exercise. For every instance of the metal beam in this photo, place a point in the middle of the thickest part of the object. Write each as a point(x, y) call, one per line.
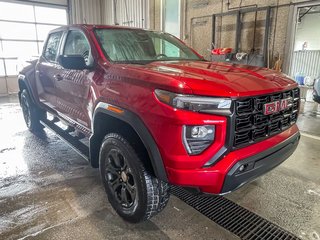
point(37, 23)
point(238, 31)
point(300, 18)
point(213, 37)
point(266, 37)
point(21, 40)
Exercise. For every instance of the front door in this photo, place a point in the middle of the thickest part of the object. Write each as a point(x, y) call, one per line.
point(72, 89)
point(47, 70)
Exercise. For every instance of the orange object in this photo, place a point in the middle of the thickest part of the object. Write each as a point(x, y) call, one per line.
point(221, 51)
point(115, 109)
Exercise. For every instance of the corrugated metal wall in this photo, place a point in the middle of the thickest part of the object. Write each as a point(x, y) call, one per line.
point(107, 12)
point(132, 13)
point(84, 11)
point(306, 62)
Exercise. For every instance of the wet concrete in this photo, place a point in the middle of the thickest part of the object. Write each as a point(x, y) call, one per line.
point(309, 120)
point(47, 191)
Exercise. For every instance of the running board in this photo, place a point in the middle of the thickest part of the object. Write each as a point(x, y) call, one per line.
point(64, 135)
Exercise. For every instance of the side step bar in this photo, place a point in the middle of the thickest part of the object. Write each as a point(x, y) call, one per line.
point(64, 135)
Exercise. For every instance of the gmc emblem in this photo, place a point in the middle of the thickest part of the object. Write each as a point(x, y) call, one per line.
point(276, 106)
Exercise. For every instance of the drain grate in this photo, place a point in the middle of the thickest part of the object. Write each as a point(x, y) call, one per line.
point(236, 219)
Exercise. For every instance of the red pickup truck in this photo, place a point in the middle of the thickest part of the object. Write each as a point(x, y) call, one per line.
point(156, 113)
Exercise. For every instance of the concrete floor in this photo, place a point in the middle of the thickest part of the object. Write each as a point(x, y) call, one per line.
point(47, 191)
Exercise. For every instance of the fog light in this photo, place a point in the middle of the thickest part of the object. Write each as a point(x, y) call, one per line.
point(200, 131)
point(198, 138)
point(241, 168)
point(245, 167)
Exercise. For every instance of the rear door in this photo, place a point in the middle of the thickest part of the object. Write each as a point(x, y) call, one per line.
point(72, 89)
point(47, 70)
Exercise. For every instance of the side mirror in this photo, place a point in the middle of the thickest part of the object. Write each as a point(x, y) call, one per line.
point(75, 62)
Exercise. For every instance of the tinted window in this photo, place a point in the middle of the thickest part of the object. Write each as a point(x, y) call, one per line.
point(52, 46)
point(135, 46)
point(77, 44)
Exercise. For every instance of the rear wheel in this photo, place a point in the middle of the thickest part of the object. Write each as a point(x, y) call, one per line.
point(31, 113)
point(134, 193)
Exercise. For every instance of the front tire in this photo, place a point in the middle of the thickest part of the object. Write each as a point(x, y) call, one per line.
point(133, 192)
point(31, 113)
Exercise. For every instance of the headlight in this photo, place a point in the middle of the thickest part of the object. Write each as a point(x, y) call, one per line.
point(221, 106)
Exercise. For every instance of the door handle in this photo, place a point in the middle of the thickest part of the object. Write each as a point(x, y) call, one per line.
point(58, 77)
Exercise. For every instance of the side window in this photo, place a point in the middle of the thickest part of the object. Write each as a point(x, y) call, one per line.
point(51, 49)
point(77, 44)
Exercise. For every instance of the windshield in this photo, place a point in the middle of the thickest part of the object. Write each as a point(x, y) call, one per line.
point(141, 46)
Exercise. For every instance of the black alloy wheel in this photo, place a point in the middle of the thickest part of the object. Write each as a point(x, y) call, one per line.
point(133, 191)
point(121, 180)
point(31, 113)
point(26, 110)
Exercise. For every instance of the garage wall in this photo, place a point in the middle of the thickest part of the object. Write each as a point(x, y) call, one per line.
point(131, 13)
point(197, 32)
point(155, 14)
point(226, 26)
point(111, 12)
point(8, 85)
point(84, 11)
point(107, 13)
point(3, 86)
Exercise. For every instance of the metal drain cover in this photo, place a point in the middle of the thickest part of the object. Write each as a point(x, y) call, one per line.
point(234, 218)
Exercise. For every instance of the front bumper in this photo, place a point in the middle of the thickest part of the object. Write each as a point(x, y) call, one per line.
point(259, 164)
point(224, 177)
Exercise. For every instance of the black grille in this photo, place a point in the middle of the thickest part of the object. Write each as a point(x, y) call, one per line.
point(251, 125)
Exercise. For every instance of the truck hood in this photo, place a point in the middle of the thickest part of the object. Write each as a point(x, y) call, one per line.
point(223, 79)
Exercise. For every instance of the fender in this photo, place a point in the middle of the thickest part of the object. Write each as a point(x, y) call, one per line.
point(137, 124)
point(25, 76)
